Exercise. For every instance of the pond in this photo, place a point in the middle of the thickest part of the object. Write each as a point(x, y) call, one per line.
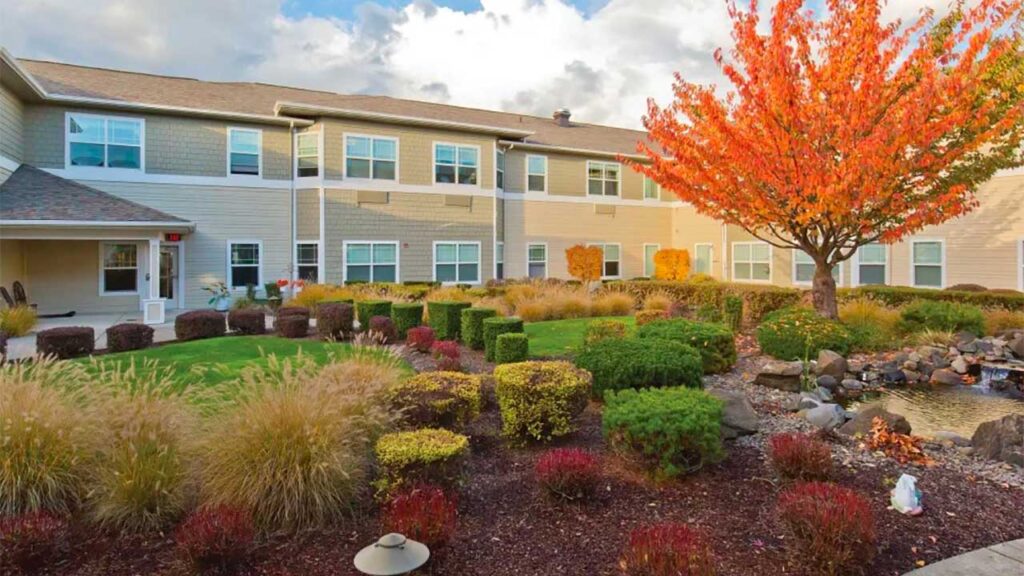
point(959, 409)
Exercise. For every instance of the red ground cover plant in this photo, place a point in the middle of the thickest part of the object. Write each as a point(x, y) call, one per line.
point(832, 528)
point(447, 354)
point(568, 473)
point(217, 538)
point(420, 338)
point(423, 513)
point(30, 541)
point(667, 549)
point(800, 457)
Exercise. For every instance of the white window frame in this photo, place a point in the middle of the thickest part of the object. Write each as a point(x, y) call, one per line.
point(942, 252)
point(647, 273)
point(526, 171)
point(499, 168)
point(344, 258)
point(372, 137)
point(855, 274)
point(711, 257)
point(319, 259)
point(319, 155)
point(751, 280)
point(1020, 263)
point(605, 260)
point(259, 152)
point(457, 263)
point(528, 262)
point(433, 165)
point(618, 180)
point(102, 268)
point(499, 259)
point(792, 272)
point(105, 118)
point(657, 190)
point(229, 275)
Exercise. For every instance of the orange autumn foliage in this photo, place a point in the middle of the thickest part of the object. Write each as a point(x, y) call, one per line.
point(585, 262)
point(671, 264)
point(903, 448)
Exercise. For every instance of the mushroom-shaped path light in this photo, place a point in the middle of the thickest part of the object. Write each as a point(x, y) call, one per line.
point(392, 555)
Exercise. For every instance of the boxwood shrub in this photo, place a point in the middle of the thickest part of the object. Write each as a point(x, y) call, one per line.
point(129, 336)
point(618, 363)
point(800, 333)
point(427, 455)
point(473, 326)
point(715, 343)
point(199, 324)
point(944, 316)
point(247, 321)
point(446, 318)
point(493, 327)
point(369, 308)
point(758, 300)
point(894, 296)
point(66, 341)
point(540, 400)
point(669, 431)
point(334, 319)
point(406, 315)
point(511, 347)
point(437, 399)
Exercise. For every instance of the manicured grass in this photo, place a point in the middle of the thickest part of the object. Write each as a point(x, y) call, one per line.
point(560, 338)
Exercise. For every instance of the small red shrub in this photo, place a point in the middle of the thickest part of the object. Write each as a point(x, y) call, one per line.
point(384, 326)
point(420, 338)
point(447, 354)
point(800, 457)
point(217, 538)
point(832, 528)
point(667, 549)
point(424, 513)
point(568, 473)
point(30, 541)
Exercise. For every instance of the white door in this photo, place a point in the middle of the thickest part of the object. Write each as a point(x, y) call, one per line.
point(169, 279)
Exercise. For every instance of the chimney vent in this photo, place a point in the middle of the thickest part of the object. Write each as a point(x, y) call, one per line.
point(561, 117)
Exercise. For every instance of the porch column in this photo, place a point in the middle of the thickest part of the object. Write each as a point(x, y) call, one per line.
point(153, 306)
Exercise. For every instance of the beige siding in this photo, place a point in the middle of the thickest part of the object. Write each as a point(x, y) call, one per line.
point(567, 174)
point(307, 214)
point(781, 258)
point(12, 125)
point(690, 228)
point(12, 262)
point(63, 275)
point(44, 136)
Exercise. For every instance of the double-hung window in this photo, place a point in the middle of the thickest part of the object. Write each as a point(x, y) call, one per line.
point(702, 258)
point(499, 260)
point(307, 155)
point(804, 266)
point(371, 157)
point(611, 263)
point(245, 263)
point(751, 261)
point(927, 260)
point(456, 164)
point(536, 173)
point(649, 251)
point(244, 146)
point(651, 189)
point(457, 262)
point(371, 261)
point(120, 273)
point(872, 264)
point(603, 178)
point(104, 141)
point(307, 261)
point(537, 260)
point(499, 170)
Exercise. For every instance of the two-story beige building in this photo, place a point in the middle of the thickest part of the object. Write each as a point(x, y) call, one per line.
point(128, 191)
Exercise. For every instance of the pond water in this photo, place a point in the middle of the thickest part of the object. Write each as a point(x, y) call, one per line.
point(958, 409)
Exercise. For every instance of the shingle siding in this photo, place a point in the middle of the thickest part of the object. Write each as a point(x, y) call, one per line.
point(307, 214)
point(12, 125)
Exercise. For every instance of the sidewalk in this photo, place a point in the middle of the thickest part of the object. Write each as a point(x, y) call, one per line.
point(1006, 559)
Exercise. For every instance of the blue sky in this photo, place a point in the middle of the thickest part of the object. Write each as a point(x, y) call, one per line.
point(345, 9)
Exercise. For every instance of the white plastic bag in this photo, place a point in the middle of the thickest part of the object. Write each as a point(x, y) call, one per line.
point(906, 498)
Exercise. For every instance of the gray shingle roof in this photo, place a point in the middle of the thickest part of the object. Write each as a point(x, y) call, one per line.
point(33, 194)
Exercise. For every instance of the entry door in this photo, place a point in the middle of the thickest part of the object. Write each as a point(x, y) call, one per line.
point(169, 275)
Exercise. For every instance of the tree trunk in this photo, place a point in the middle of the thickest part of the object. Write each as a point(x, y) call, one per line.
point(824, 292)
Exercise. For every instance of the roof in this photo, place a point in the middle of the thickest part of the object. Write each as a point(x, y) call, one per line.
point(261, 99)
point(31, 194)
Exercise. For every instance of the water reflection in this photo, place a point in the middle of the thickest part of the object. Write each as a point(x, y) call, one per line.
point(954, 408)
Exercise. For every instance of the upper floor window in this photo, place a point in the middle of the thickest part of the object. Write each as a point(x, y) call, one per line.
point(371, 157)
point(104, 141)
point(499, 170)
point(603, 178)
point(456, 164)
point(536, 173)
point(244, 146)
point(651, 189)
point(307, 154)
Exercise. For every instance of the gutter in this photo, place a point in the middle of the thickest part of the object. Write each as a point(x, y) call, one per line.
point(571, 150)
point(301, 109)
point(190, 226)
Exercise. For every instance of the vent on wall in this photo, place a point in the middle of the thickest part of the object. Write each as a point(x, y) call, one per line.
point(604, 209)
point(371, 197)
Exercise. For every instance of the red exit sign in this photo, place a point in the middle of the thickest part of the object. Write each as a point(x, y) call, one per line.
point(172, 237)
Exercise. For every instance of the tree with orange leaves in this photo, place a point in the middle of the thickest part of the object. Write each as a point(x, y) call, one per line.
point(671, 264)
point(843, 130)
point(585, 262)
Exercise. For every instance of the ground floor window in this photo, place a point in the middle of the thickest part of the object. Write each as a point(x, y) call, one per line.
point(120, 269)
point(245, 263)
point(307, 261)
point(371, 262)
point(803, 269)
point(751, 261)
point(649, 251)
point(927, 259)
point(611, 267)
point(457, 262)
point(537, 260)
point(499, 260)
point(872, 264)
point(702, 259)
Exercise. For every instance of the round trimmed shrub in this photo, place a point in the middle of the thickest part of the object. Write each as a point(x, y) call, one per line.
point(540, 400)
point(495, 326)
point(66, 342)
point(669, 431)
point(292, 311)
point(620, 363)
point(446, 318)
point(199, 324)
point(715, 343)
point(427, 455)
point(438, 399)
point(942, 316)
point(367, 309)
point(800, 333)
point(129, 336)
point(334, 319)
point(406, 315)
point(247, 321)
point(294, 326)
point(384, 326)
point(473, 326)
point(831, 528)
point(420, 339)
point(511, 347)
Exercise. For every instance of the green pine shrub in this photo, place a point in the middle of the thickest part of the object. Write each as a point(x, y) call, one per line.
point(943, 317)
point(618, 363)
point(406, 315)
point(445, 317)
point(495, 326)
point(473, 326)
point(715, 343)
point(732, 312)
point(540, 400)
point(511, 347)
point(799, 333)
point(369, 308)
point(437, 399)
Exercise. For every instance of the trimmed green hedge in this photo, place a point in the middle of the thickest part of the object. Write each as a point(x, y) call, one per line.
point(493, 327)
point(369, 308)
point(894, 296)
point(473, 326)
point(715, 343)
point(511, 347)
point(940, 315)
point(758, 300)
point(446, 318)
point(732, 312)
point(406, 315)
point(800, 333)
point(619, 363)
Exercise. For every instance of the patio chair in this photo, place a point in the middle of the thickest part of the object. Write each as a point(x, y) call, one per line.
point(7, 297)
point(21, 299)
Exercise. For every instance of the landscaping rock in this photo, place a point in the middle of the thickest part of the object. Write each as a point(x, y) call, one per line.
point(945, 376)
point(959, 365)
point(861, 422)
point(894, 376)
point(911, 375)
point(808, 401)
point(951, 439)
point(826, 416)
point(852, 385)
point(825, 394)
point(855, 367)
point(781, 376)
point(738, 415)
point(1001, 439)
point(1017, 346)
point(827, 382)
point(831, 364)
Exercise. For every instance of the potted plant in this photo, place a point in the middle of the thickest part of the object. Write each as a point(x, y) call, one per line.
point(221, 299)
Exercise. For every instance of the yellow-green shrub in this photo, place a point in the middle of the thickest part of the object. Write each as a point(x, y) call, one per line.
point(602, 329)
point(443, 399)
point(313, 294)
point(872, 325)
point(17, 321)
point(540, 400)
point(998, 320)
point(427, 455)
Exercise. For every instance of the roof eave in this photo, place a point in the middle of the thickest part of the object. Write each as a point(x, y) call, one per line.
point(301, 109)
point(570, 150)
point(163, 225)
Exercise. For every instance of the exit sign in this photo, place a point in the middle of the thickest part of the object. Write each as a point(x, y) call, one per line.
point(172, 237)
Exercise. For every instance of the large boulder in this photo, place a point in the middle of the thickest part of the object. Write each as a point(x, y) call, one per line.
point(946, 376)
point(1017, 346)
point(861, 422)
point(781, 376)
point(738, 416)
point(1001, 439)
point(826, 416)
point(831, 364)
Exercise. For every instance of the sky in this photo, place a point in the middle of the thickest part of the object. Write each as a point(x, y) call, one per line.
point(601, 59)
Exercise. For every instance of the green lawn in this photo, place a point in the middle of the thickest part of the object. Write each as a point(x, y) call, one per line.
point(560, 338)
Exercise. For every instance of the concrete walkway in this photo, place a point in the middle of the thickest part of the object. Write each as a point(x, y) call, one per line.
point(1006, 559)
point(25, 346)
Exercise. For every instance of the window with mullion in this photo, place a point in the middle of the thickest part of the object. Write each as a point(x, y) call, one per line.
point(611, 266)
point(499, 170)
point(120, 268)
point(536, 260)
point(872, 261)
point(244, 264)
point(751, 261)
point(307, 155)
point(603, 178)
point(371, 262)
point(499, 260)
point(927, 263)
point(804, 266)
point(371, 157)
point(100, 141)
point(457, 262)
point(536, 173)
point(651, 189)
point(244, 151)
point(456, 164)
point(307, 261)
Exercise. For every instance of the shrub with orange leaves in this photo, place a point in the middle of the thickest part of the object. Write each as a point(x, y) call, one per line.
point(585, 262)
point(903, 448)
point(671, 264)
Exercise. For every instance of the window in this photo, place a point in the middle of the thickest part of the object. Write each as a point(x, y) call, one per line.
point(649, 251)
point(751, 261)
point(244, 151)
point(104, 141)
point(307, 155)
point(373, 158)
point(307, 261)
point(244, 259)
point(499, 170)
point(610, 268)
point(872, 261)
point(536, 173)
point(457, 262)
point(120, 274)
point(499, 260)
point(455, 164)
point(651, 189)
point(702, 258)
point(371, 262)
point(537, 260)
point(927, 259)
point(803, 269)
point(603, 178)
point(1020, 264)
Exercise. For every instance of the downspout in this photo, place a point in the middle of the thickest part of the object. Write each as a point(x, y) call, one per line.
point(292, 268)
